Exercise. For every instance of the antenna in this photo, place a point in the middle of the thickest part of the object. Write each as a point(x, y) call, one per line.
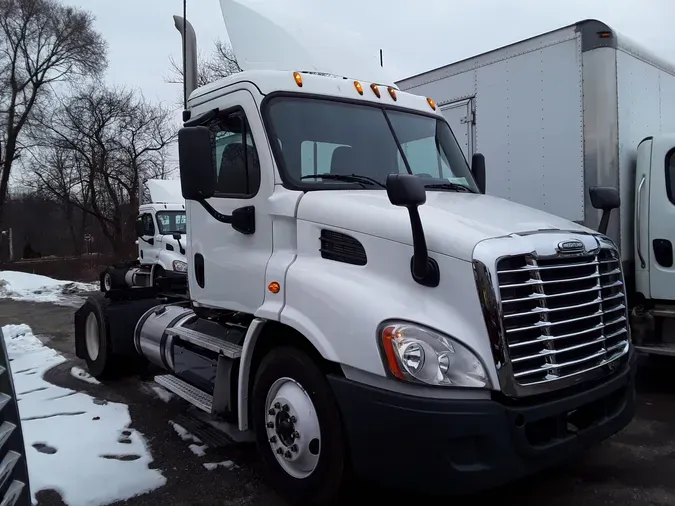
point(185, 92)
point(381, 64)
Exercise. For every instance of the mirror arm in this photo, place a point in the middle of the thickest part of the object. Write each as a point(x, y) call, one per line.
point(604, 221)
point(423, 268)
point(242, 219)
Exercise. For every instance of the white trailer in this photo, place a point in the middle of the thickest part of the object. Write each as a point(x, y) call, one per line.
point(560, 113)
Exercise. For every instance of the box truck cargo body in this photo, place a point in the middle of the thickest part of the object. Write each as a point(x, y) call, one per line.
point(574, 108)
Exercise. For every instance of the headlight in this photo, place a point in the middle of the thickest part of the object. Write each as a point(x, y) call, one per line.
point(422, 355)
point(179, 266)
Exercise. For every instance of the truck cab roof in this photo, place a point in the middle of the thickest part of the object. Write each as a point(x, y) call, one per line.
point(316, 85)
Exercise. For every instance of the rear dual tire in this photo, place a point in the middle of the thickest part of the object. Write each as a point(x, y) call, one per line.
point(298, 428)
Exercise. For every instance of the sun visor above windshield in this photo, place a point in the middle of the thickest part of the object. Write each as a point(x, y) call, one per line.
point(286, 35)
point(165, 191)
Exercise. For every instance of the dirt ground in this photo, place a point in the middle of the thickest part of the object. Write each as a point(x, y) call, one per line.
point(634, 467)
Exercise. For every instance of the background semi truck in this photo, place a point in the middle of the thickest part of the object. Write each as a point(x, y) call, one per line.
point(353, 312)
point(574, 108)
point(161, 240)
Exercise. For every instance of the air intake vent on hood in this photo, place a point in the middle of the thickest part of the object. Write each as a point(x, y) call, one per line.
point(342, 248)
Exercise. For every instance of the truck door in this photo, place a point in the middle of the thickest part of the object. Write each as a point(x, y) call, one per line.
point(227, 267)
point(148, 252)
point(661, 198)
point(460, 116)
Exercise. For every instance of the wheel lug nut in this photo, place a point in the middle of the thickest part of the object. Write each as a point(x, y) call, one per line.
point(271, 411)
point(294, 448)
point(270, 425)
point(296, 435)
point(273, 439)
point(288, 454)
point(280, 451)
point(277, 405)
point(293, 419)
point(285, 407)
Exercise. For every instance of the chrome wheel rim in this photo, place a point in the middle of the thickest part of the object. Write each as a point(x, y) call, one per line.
point(292, 427)
point(92, 336)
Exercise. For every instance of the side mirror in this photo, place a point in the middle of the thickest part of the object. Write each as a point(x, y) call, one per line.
point(478, 169)
point(197, 172)
point(604, 198)
point(406, 190)
point(176, 236)
point(139, 227)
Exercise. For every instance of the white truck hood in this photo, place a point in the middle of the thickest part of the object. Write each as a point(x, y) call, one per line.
point(453, 222)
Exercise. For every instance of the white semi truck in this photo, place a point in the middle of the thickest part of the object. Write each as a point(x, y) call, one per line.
point(560, 113)
point(161, 232)
point(357, 312)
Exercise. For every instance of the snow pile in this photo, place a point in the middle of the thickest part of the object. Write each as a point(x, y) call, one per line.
point(78, 445)
point(35, 288)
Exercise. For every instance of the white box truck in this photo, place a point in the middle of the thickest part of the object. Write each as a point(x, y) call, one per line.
point(349, 311)
point(560, 113)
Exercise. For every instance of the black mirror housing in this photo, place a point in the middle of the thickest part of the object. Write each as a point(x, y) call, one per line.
point(176, 236)
point(406, 190)
point(139, 227)
point(197, 171)
point(478, 170)
point(604, 198)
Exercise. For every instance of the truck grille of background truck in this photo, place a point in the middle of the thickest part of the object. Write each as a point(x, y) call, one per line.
point(561, 316)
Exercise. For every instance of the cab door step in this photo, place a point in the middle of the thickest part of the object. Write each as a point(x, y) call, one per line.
point(220, 346)
point(184, 390)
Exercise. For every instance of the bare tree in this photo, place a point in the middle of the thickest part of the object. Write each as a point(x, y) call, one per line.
point(221, 63)
point(96, 149)
point(42, 42)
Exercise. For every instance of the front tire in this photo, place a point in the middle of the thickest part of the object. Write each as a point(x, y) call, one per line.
point(298, 428)
point(101, 362)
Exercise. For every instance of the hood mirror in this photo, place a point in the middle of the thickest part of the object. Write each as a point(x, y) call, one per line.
point(604, 198)
point(406, 190)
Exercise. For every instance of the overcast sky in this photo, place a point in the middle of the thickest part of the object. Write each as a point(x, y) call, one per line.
point(416, 35)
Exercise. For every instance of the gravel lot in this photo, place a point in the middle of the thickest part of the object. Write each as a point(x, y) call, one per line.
point(634, 467)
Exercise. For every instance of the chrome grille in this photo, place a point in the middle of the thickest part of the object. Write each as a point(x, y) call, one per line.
point(14, 487)
point(562, 315)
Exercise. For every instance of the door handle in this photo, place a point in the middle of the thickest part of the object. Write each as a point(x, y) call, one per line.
point(638, 215)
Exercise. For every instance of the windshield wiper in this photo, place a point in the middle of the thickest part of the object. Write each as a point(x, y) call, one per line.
point(450, 186)
point(353, 178)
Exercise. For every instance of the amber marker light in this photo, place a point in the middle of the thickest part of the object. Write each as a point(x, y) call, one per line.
point(375, 89)
point(298, 79)
point(388, 336)
point(274, 287)
point(431, 103)
point(358, 87)
point(392, 92)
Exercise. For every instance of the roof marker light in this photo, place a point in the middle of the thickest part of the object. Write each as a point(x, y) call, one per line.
point(375, 89)
point(358, 87)
point(392, 92)
point(431, 103)
point(298, 79)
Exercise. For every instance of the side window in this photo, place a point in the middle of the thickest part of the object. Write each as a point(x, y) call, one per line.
point(148, 224)
point(670, 176)
point(317, 157)
point(424, 158)
point(235, 157)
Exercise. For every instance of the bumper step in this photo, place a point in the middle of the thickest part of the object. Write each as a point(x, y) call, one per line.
point(667, 349)
point(230, 350)
point(184, 390)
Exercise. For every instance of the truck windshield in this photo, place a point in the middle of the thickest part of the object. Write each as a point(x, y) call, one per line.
point(171, 222)
point(319, 136)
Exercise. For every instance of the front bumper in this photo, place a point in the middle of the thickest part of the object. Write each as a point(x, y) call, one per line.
point(463, 446)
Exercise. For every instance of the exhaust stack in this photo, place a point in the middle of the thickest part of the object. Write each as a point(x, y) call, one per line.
point(189, 56)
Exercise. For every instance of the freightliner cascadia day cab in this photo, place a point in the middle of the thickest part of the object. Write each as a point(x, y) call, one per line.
point(353, 306)
point(563, 112)
point(161, 241)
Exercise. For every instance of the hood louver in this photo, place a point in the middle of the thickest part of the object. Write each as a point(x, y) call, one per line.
point(342, 248)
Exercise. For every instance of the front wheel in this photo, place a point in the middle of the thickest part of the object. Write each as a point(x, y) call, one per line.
point(297, 427)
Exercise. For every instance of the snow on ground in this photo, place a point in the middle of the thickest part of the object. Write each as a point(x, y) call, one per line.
point(81, 374)
point(78, 445)
point(27, 287)
point(199, 449)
